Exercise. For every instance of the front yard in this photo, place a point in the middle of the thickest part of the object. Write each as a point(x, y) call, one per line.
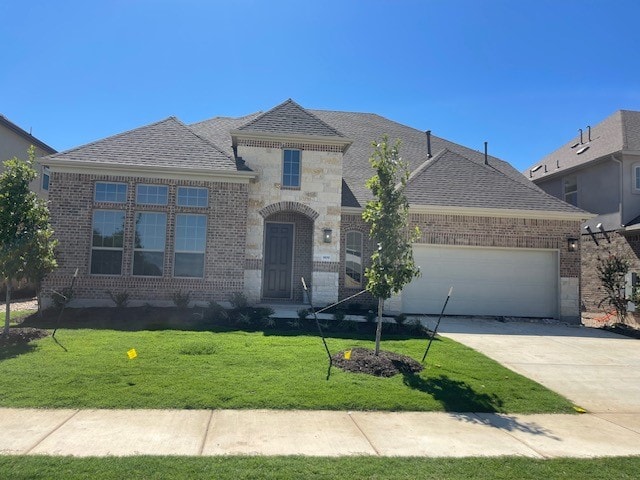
point(235, 369)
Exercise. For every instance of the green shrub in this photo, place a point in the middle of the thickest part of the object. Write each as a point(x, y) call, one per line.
point(338, 315)
point(400, 318)
point(370, 316)
point(181, 300)
point(62, 297)
point(239, 300)
point(303, 313)
point(121, 299)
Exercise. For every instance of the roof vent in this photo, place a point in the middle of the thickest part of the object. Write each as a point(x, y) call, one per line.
point(582, 150)
point(486, 157)
point(575, 145)
point(428, 132)
point(589, 130)
point(581, 141)
point(535, 169)
point(557, 163)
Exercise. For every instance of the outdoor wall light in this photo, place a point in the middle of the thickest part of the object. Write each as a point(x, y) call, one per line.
point(326, 235)
point(572, 244)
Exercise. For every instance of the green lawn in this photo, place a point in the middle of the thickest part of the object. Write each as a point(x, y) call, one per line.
point(15, 315)
point(220, 468)
point(237, 369)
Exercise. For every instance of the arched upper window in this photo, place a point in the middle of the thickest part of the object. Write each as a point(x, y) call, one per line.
point(353, 260)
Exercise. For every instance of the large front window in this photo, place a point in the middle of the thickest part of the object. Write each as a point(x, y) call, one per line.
point(191, 234)
point(571, 190)
point(353, 277)
point(148, 251)
point(106, 245)
point(291, 169)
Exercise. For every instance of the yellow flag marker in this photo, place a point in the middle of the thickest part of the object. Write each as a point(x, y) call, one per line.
point(579, 409)
point(132, 354)
point(347, 354)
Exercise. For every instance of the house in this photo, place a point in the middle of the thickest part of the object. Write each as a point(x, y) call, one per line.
point(599, 171)
point(15, 142)
point(254, 204)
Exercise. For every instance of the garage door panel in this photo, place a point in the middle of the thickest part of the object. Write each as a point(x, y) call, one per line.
point(486, 281)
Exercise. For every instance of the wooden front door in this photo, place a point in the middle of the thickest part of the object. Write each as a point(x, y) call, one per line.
point(278, 260)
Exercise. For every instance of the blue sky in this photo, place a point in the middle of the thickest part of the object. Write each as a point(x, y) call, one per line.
point(522, 75)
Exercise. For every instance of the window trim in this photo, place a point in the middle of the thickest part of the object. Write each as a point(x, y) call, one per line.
point(166, 200)
point(100, 182)
point(346, 249)
point(134, 249)
point(178, 204)
point(284, 185)
point(175, 243)
point(121, 249)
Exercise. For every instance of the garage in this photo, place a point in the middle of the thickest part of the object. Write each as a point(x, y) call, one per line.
point(486, 281)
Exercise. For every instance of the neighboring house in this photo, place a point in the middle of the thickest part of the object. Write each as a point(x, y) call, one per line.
point(15, 142)
point(599, 171)
point(253, 204)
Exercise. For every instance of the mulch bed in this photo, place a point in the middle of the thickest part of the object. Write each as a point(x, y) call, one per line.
point(386, 364)
point(21, 336)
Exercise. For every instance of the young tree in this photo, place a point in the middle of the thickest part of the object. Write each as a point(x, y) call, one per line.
point(26, 239)
point(392, 265)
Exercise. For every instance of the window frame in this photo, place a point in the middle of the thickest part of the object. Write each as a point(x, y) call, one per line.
point(185, 187)
point(177, 251)
point(46, 178)
point(148, 250)
point(285, 175)
point(635, 177)
point(103, 248)
point(567, 181)
point(158, 186)
point(100, 182)
point(349, 281)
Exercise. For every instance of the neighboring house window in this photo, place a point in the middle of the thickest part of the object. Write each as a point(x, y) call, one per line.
point(148, 248)
point(193, 197)
point(106, 246)
point(191, 234)
point(152, 194)
point(353, 263)
point(571, 190)
point(110, 192)
point(636, 178)
point(45, 178)
point(291, 169)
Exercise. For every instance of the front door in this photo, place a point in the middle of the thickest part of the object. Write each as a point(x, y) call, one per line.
point(278, 260)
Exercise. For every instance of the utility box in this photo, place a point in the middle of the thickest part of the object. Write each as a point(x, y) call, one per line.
point(630, 285)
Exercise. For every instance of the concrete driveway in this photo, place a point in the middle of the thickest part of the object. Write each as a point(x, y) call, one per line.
point(596, 370)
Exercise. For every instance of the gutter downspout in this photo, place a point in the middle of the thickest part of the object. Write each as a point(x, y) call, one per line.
point(620, 202)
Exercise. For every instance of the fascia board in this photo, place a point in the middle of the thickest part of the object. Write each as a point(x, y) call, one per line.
point(500, 212)
point(312, 139)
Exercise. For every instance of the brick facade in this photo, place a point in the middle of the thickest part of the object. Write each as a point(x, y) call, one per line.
point(72, 208)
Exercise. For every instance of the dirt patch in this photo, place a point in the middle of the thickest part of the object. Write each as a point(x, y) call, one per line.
point(386, 364)
point(21, 336)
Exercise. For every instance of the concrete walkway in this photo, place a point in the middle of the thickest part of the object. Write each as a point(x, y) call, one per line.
point(315, 433)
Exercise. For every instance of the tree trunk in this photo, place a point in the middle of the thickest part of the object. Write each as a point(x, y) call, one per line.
point(7, 309)
point(379, 326)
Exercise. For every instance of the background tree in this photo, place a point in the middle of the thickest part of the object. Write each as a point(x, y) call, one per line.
point(26, 238)
point(392, 265)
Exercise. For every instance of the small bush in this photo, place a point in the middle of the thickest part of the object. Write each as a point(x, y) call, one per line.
point(338, 315)
point(217, 312)
point(243, 320)
point(121, 299)
point(370, 316)
point(268, 323)
point(303, 313)
point(62, 297)
point(181, 300)
point(348, 326)
point(400, 318)
point(416, 327)
point(295, 323)
point(239, 301)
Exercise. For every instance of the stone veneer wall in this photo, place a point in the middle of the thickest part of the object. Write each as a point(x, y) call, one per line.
point(627, 247)
point(318, 198)
point(470, 230)
point(72, 207)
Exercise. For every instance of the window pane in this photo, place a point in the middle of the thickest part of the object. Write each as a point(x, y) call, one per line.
point(291, 168)
point(106, 262)
point(108, 229)
point(152, 194)
point(45, 178)
point(193, 197)
point(150, 231)
point(189, 265)
point(148, 263)
point(353, 254)
point(111, 192)
point(637, 170)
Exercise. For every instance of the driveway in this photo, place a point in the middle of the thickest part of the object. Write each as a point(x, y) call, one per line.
point(596, 370)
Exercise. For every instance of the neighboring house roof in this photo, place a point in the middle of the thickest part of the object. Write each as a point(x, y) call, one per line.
point(618, 132)
point(450, 179)
point(4, 121)
point(289, 118)
point(165, 144)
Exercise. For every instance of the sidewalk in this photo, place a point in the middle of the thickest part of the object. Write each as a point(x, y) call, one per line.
point(314, 433)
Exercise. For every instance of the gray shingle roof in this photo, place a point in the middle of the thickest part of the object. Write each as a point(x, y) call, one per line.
point(450, 179)
point(289, 118)
point(168, 143)
point(620, 131)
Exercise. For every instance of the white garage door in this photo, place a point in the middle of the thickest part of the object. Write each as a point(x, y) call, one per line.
point(486, 281)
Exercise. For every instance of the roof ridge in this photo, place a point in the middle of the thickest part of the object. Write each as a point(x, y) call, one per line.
point(426, 164)
point(64, 152)
point(221, 117)
point(207, 141)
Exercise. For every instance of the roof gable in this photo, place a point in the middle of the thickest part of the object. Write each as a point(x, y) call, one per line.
point(168, 143)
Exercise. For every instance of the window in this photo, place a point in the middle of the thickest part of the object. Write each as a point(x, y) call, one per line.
point(291, 169)
point(191, 234)
point(193, 197)
point(152, 194)
point(110, 192)
point(571, 190)
point(148, 248)
point(636, 178)
point(353, 263)
point(45, 178)
point(106, 246)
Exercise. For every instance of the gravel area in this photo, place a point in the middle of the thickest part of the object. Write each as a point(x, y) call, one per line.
point(22, 304)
